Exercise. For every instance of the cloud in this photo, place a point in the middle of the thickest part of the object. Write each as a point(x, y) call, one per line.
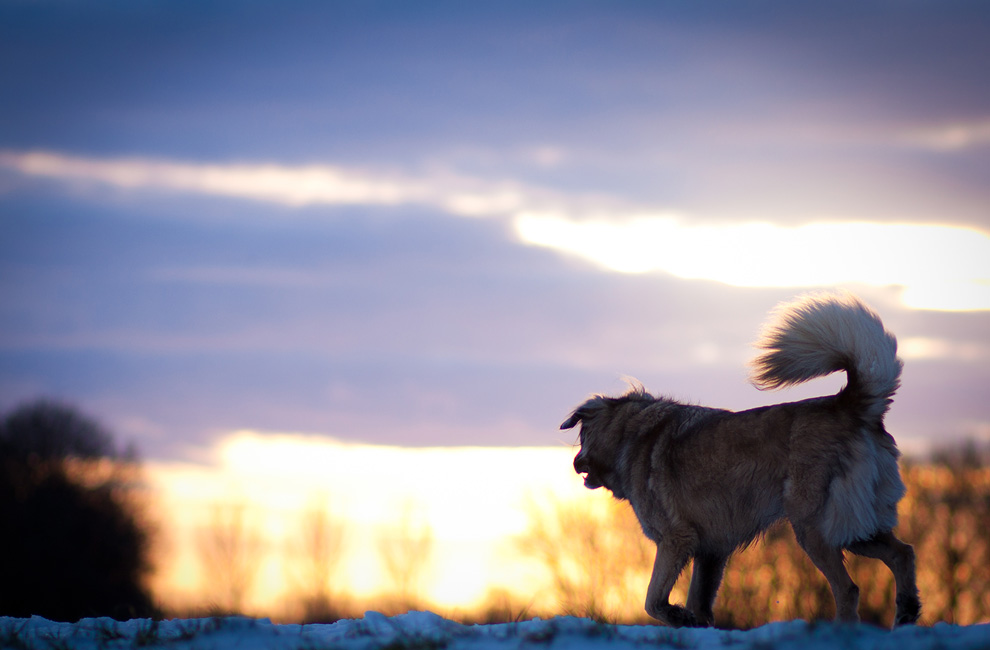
point(953, 136)
point(295, 186)
point(932, 348)
point(939, 267)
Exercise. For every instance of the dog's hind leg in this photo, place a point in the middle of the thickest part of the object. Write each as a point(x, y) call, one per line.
point(706, 576)
point(829, 561)
point(899, 558)
point(670, 561)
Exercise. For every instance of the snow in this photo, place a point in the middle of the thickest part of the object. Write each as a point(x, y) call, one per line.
point(425, 630)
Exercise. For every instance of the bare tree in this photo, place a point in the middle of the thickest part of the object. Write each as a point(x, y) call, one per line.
point(230, 549)
point(318, 547)
point(406, 550)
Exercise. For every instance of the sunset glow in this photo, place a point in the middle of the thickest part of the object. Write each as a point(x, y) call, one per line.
point(472, 501)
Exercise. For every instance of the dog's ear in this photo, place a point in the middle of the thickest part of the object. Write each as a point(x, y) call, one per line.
point(576, 417)
point(583, 412)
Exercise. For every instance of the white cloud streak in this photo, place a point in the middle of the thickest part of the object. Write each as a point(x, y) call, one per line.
point(927, 348)
point(939, 267)
point(287, 185)
point(950, 137)
point(295, 186)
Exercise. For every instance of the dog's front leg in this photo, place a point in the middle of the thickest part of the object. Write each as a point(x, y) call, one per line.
point(706, 576)
point(667, 566)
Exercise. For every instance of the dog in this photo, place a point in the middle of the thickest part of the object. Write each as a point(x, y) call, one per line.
point(705, 482)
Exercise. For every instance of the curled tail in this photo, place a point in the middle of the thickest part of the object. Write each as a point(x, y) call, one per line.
point(822, 333)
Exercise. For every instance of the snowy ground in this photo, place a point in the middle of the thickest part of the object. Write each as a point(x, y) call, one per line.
point(424, 630)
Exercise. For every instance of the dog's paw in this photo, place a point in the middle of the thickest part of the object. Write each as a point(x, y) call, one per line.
point(908, 610)
point(705, 619)
point(677, 616)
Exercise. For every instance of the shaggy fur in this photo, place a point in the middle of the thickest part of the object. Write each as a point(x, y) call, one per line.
point(704, 481)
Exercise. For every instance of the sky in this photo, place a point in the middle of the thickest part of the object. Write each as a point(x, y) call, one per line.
point(437, 223)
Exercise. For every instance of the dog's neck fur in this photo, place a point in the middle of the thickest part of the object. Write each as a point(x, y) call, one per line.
point(659, 414)
point(640, 406)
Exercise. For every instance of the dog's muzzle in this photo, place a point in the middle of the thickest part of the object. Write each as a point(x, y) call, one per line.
point(584, 466)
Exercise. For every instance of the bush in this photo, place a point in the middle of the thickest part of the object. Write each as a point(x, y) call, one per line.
point(72, 545)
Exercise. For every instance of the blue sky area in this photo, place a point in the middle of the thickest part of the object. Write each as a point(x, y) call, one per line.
point(362, 219)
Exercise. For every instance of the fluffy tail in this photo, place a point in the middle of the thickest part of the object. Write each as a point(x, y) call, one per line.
point(820, 334)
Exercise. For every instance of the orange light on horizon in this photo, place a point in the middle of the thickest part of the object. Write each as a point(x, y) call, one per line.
point(472, 502)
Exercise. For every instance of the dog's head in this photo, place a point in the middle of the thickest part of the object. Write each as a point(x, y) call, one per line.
point(597, 459)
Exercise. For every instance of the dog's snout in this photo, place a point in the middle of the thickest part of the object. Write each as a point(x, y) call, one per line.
point(581, 464)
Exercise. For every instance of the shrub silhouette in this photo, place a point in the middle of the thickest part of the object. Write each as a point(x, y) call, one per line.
point(72, 545)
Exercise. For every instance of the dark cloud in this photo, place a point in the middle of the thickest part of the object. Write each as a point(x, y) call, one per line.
point(181, 316)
